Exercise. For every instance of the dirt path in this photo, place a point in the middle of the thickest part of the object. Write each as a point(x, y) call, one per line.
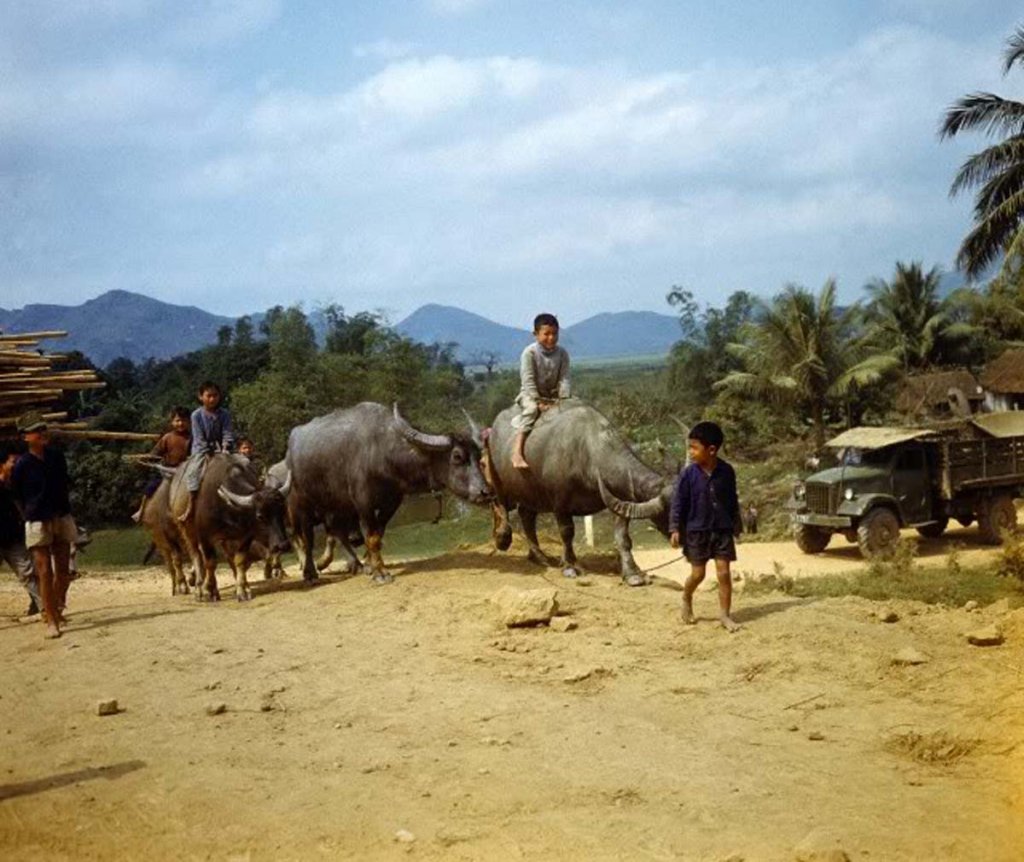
point(353, 712)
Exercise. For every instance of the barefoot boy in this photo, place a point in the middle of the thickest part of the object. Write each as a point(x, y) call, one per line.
point(544, 379)
point(172, 449)
point(706, 511)
point(211, 432)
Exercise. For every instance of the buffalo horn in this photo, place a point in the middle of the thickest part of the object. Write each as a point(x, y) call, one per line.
point(286, 486)
point(647, 509)
point(242, 501)
point(474, 429)
point(418, 438)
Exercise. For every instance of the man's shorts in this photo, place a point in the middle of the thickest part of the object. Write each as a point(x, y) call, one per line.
point(699, 546)
point(41, 534)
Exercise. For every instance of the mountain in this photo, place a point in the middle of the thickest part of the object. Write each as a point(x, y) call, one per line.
point(119, 323)
point(610, 334)
point(475, 335)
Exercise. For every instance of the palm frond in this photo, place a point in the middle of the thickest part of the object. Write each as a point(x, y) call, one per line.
point(987, 111)
point(980, 167)
point(1014, 49)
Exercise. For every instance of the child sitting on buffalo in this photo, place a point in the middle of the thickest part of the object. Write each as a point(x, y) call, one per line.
point(172, 449)
point(211, 432)
point(705, 512)
point(544, 379)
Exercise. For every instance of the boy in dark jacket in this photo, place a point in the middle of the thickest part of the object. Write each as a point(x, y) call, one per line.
point(705, 517)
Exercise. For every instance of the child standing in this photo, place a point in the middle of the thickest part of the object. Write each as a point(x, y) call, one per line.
point(211, 432)
point(543, 380)
point(172, 449)
point(706, 512)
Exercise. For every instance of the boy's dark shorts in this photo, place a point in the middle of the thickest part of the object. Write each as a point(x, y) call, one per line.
point(699, 546)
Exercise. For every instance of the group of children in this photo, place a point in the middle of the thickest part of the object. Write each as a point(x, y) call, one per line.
point(704, 516)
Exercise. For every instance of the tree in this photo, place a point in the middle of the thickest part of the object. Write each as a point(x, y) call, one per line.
point(997, 171)
point(802, 349)
point(907, 317)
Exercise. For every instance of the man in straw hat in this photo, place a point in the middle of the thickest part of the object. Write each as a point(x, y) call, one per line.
point(40, 481)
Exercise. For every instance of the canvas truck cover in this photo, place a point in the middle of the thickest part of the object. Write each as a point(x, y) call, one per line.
point(877, 438)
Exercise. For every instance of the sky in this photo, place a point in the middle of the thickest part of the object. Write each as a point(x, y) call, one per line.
point(504, 156)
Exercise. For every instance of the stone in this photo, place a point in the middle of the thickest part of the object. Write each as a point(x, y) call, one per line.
point(888, 615)
point(988, 636)
point(909, 656)
point(526, 607)
point(216, 709)
point(970, 605)
point(816, 736)
point(107, 707)
point(579, 676)
point(1002, 606)
point(563, 624)
point(404, 836)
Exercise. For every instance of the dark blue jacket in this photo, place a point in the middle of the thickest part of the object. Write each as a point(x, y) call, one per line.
point(703, 502)
point(41, 485)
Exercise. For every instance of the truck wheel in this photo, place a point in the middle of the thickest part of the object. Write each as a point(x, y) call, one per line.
point(996, 516)
point(933, 531)
point(877, 534)
point(810, 539)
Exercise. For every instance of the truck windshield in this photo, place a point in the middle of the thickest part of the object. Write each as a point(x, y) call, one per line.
point(852, 456)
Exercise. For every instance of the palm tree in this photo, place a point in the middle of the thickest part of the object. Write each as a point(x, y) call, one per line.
point(907, 317)
point(997, 171)
point(802, 349)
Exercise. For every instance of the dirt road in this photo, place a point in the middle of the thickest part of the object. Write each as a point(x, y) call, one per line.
point(405, 721)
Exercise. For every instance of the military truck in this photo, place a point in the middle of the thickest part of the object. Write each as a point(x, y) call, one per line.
point(890, 478)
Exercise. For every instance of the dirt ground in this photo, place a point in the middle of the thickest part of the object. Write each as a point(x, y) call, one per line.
point(405, 721)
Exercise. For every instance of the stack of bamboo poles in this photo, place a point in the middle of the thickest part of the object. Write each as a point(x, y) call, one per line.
point(29, 382)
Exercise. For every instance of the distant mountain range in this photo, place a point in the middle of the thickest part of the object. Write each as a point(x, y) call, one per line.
point(122, 323)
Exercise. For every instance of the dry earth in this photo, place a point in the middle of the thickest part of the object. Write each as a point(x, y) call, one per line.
point(353, 712)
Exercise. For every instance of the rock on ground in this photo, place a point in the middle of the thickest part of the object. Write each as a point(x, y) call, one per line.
point(988, 636)
point(526, 607)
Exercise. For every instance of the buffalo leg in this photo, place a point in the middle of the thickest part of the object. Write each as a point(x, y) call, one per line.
point(373, 524)
point(567, 530)
point(208, 586)
point(240, 566)
point(529, 521)
point(327, 557)
point(631, 573)
point(306, 528)
point(502, 531)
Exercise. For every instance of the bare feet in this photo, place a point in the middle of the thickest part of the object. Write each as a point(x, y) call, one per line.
point(519, 462)
point(688, 616)
point(728, 623)
point(51, 631)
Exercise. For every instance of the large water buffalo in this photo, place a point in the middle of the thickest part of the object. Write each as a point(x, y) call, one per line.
point(579, 465)
point(232, 510)
point(351, 469)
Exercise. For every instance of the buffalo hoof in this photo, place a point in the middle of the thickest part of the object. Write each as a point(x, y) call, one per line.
point(310, 578)
point(635, 579)
point(191, 579)
point(503, 540)
point(570, 572)
point(244, 596)
point(355, 568)
point(383, 578)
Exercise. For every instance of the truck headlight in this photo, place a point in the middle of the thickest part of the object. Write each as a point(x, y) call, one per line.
point(799, 491)
point(848, 494)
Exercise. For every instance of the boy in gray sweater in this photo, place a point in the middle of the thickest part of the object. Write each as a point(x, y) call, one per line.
point(544, 379)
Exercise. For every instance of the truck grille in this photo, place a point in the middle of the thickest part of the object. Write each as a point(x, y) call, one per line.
point(819, 498)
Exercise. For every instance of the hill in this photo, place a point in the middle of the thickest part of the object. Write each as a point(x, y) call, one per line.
point(476, 336)
point(120, 323)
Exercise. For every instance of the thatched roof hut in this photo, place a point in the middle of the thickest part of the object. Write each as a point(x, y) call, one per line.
point(1005, 374)
point(929, 394)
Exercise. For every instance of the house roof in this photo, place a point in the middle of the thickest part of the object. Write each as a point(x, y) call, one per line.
point(877, 438)
point(1005, 373)
point(924, 391)
point(1007, 424)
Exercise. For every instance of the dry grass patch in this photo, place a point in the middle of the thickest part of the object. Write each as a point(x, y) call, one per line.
point(939, 747)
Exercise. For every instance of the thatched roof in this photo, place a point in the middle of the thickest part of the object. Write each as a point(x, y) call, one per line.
point(1004, 375)
point(926, 391)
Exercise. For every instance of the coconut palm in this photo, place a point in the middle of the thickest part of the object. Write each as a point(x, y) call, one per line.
point(997, 171)
point(907, 317)
point(801, 348)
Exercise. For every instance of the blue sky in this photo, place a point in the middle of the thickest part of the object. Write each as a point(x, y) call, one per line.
point(507, 157)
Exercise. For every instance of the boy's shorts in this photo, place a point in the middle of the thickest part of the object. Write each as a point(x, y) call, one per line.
point(699, 546)
point(40, 534)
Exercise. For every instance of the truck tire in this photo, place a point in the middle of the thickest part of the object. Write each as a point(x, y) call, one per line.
point(934, 530)
point(877, 534)
point(996, 515)
point(810, 539)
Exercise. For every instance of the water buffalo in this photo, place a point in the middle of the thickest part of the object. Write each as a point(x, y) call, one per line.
point(167, 539)
point(232, 510)
point(352, 468)
point(579, 465)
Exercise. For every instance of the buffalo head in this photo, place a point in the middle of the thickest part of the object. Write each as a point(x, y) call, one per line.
point(267, 506)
